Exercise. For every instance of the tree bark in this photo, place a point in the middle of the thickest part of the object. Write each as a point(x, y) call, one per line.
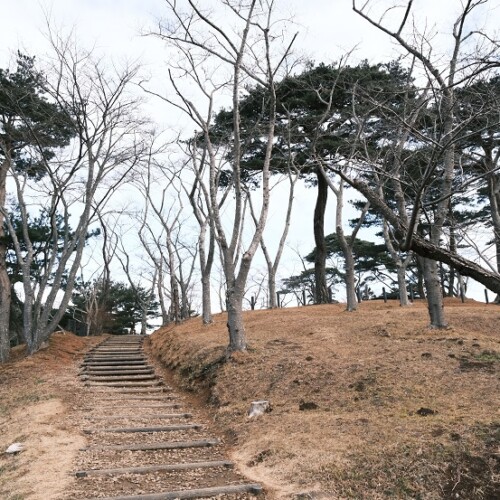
point(403, 291)
point(5, 290)
point(235, 326)
point(494, 198)
point(350, 279)
point(321, 289)
point(206, 263)
point(434, 294)
point(4, 308)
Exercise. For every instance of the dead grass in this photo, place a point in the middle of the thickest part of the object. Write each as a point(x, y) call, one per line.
point(36, 394)
point(367, 405)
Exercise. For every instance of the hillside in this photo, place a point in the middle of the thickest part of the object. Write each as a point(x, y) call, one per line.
point(367, 405)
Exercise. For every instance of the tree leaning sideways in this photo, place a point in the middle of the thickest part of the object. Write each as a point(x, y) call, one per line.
point(441, 137)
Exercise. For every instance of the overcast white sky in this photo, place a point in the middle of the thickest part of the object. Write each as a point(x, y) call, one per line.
point(327, 30)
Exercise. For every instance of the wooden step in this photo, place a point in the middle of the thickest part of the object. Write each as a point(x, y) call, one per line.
point(137, 384)
point(136, 407)
point(255, 489)
point(118, 372)
point(160, 392)
point(129, 430)
point(110, 354)
point(160, 416)
point(135, 377)
point(113, 364)
point(162, 398)
point(117, 369)
point(104, 357)
point(155, 468)
point(165, 445)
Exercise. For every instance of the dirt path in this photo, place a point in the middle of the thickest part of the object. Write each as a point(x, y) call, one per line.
point(46, 406)
point(142, 441)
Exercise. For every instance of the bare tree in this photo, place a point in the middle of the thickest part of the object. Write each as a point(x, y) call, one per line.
point(346, 242)
point(199, 198)
point(81, 180)
point(144, 299)
point(461, 68)
point(273, 264)
point(240, 53)
point(32, 128)
point(164, 240)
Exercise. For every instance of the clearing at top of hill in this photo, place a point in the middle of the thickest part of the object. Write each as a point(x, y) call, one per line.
point(366, 405)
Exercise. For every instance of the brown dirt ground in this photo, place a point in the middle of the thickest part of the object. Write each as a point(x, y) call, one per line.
point(371, 404)
point(351, 394)
point(36, 397)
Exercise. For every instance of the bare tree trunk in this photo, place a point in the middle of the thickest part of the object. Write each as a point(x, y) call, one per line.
point(4, 308)
point(206, 300)
point(175, 309)
point(494, 197)
point(206, 263)
point(350, 275)
point(403, 290)
point(5, 290)
point(401, 265)
point(165, 320)
point(321, 289)
point(146, 305)
point(235, 51)
point(434, 294)
point(350, 279)
point(237, 336)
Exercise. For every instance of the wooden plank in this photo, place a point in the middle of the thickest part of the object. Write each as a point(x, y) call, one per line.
point(114, 360)
point(154, 392)
point(126, 397)
point(132, 348)
point(155, 468)
point(115, 373)
point(111, 354)
point(120, 378)
point(129, 430)
point(123, 384)
point(117, 370)
point(102, 362)
point(114, 364)
point(160, 416)
point(254, 489)
point(165, 445)
point(117, 352)
point(101, 357)
point(160, 399)
point(135, 406)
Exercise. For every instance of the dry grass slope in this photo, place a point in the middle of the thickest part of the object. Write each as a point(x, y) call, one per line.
point(367, 405)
